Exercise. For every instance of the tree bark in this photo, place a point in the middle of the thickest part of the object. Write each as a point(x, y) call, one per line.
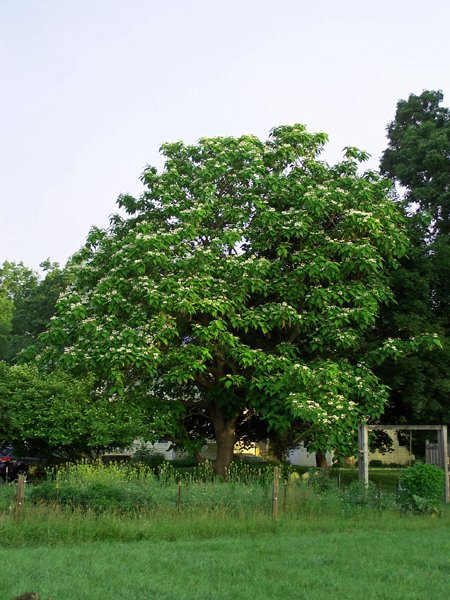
point(225, 430)
point(321, 459)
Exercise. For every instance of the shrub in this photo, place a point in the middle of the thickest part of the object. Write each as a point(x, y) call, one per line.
point(257, 473)
point(375, 463)
point(7, 496)
point(422, 486)
point(107, 459)
point(185, 461)
point(357, 494)
point(100, 487)
point(146, 456)
point(98, 496)
point(319, 479)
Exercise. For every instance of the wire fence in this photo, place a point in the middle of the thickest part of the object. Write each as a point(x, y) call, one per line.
point(137, 489)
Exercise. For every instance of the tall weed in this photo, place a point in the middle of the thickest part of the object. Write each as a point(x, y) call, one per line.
point(135, 488)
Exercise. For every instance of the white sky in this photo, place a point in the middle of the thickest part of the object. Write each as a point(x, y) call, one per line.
point(91, 88)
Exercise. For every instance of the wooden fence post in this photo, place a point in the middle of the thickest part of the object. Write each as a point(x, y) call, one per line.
point(444, 458)
point(20, 494)
point(179, 496)
point(363, 454)
point(276, 483)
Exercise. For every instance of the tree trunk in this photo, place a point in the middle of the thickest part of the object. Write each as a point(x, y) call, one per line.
point(225, 430)
point(321, 459)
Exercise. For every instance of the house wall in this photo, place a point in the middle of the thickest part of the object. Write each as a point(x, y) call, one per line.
point(297, 456)
point(161, 447)
point(301, 457)
point(399, 455)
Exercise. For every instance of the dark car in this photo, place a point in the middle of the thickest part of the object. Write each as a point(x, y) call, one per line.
point(13, 463)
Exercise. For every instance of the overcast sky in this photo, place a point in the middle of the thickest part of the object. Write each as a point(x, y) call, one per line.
point(91, 88)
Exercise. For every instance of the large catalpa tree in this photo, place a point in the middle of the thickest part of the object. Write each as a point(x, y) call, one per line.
point(247, 272)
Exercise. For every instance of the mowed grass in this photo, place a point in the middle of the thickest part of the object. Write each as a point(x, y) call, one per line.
point(193, 557)
point(113, 533)
point(385, 478)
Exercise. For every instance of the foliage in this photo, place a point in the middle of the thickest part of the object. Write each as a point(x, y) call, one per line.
point(422, 481)
point(27, 303)
point(97, 487)
point(418, 159)
point(319, 479)
point(135, 488)
point(42, 412)
point(33, 312)
point(87, 488)
point(241, 281)
point(16, 282)
point(6, 314)
point(417, 155)
point(7, 497)
point(148, 457)
point(95, 496)
point(358, 495)
point(185, 461)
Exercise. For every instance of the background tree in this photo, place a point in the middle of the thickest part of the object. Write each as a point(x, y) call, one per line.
point(17, 280)
point(6, 315)
point(249, 271)
point(27, 303)
point(418, 159)
point(43, 412)
point(16, 283)
point(417, 156)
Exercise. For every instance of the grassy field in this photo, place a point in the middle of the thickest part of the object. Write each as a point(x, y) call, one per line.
point(115, 532)
point(74, 557)
point(386, 478)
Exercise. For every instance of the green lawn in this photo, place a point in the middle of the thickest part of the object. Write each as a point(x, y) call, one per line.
point(330, 541)
point(386, 478)
point(200, 558)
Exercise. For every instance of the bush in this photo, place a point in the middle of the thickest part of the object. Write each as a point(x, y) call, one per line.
point(129, 488)
point(97, 496)
point(146, 456)
point(320, 479)
point(358, 495)
point(422, 486)
point(186, 461)
point(100, 487)
point(107, 459)
point(135, 488)
point(7, 496)
point(376, 463)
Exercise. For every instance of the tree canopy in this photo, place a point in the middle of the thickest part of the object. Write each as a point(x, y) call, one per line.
point(241, 282)
point(16, 283)
point(43, 412)
point(418, 158)
point(27, 302)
